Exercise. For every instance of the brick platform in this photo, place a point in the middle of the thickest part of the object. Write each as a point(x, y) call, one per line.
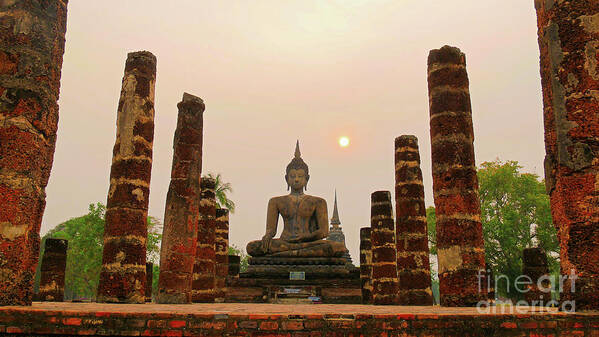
point(285, 320)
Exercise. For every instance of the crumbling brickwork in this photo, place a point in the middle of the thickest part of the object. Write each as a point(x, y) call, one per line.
point(32, 38)
point(460, 242)
point(204, 270)
point(568, 34)
point(366, 265)
point(384, 261)
point(52, 270)
point(123, 275)
point(221, 251)
point(534, 265)
point(178, 250)
point(413, 267)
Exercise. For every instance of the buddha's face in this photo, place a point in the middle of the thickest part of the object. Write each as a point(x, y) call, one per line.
point(297, 179)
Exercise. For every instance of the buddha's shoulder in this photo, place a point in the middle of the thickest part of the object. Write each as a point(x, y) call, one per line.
point(316, 200)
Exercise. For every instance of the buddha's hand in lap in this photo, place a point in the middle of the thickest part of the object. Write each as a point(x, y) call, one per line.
point(266, 242)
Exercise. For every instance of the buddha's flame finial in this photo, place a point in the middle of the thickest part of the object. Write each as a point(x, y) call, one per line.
point(297, 150)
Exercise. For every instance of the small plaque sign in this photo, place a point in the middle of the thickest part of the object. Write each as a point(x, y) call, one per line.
point(297, 275)
point(291, 291)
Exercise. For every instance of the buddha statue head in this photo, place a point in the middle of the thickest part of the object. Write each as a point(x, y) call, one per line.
point(296, 173)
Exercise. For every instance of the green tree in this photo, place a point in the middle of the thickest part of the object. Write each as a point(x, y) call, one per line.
point(84, 256)
point(515, 214)
point(221, 190)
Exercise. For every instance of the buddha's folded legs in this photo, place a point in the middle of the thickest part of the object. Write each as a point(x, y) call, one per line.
point(280, 248)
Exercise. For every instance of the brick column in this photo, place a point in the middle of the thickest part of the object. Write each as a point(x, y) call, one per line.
point(31, 48)
point(455, 185)
point(149, 279)
point(234, 265)
point(179, 235)
point(569, 43)
point(123, 275)
point(204, 270)
point(384, 260)
point(366, 265)
point(413, 267)
point(52, 271)
point(221, 250)
point(534, 265)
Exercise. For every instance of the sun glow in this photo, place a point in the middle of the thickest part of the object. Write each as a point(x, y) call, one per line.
point(343, 141)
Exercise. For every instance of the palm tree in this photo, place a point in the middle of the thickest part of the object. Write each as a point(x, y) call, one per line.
point(220, 190)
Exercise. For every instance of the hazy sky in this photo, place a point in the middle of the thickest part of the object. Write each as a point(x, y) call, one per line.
point(271, 72)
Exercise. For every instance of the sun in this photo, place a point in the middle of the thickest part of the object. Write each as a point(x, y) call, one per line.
point(343, 141)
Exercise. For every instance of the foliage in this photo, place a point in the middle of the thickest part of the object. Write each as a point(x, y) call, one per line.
point(84, 256)
point(515, 214)
point(221, 190)
point(431, 220)
point(234, 250)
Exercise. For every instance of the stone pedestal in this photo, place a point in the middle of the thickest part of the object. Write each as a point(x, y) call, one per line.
point(366, 265)
point(204, 269)
point(123, 274)
point(31, 48)
point(149, 279)
point(178, 250)
point(384, 259)
point(221, 251)
point(413, 266)
point(54, 263)
point(534, 265)
point(460, 244)
point(569, 44)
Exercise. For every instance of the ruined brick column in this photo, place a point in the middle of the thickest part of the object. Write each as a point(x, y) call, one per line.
point(149, 279)
point(413, 266)
point(366, 265)
point(31, 47)
point(52, 271)
point(221, 250)
point(534, 265)
point(569, 43)
point(384, 261)
point(204, 270)
point(455, 185)
point(123, 275)
point(179, 235)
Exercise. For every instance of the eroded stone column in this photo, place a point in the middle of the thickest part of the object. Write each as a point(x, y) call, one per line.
point(179, 235)
point(31, 48)
point(366, 265)
point(460, 242)
point(204, 270)
point(534, 266)
point(413, 267)
point(221, 250)
point(149, 279)
point(123, 275)
point(569, 45)
point(384, 260)
point(52, 271)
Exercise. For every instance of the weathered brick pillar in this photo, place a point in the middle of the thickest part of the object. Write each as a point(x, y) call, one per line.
point(123, 275)
point(221, 250)
point(534, 265)
point(52, 271)
point(384, 260)
point(366, 265)
point(455, 185)
point(31, 47)
point(179, 234)
point(234, 265)
point(204, 270)
point(569, 44)
point(149, 279)
point(413, 267)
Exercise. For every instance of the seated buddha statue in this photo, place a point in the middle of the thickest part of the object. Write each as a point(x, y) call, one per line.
point(305, 225)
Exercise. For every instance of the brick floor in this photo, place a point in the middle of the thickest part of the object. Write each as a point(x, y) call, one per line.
point(231, 319)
